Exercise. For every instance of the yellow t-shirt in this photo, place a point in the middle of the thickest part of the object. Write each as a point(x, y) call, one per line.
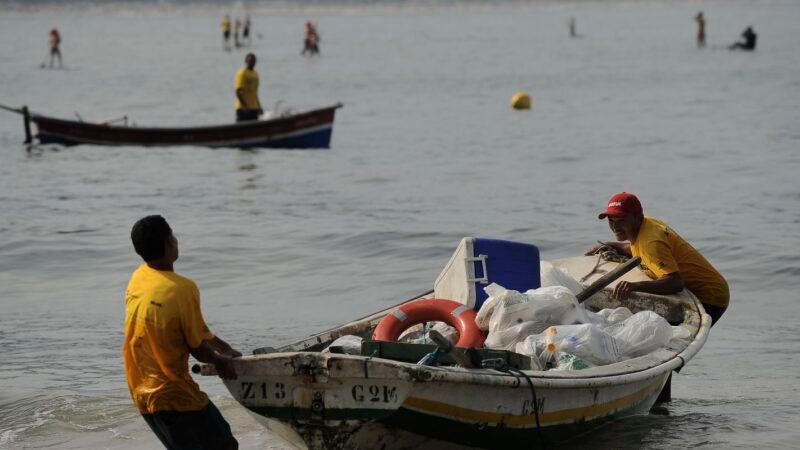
point(162, 321)
point(663, 252)
point(247, 81)
point(226, 25)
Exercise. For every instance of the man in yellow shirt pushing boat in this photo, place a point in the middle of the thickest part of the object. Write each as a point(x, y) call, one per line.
point(163, 325)
point(248, 107)
point(667, 258)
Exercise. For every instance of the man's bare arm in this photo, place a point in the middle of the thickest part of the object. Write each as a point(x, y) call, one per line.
point(241, 98)
point(224, 348)
point(668, 284)
point(206, 352)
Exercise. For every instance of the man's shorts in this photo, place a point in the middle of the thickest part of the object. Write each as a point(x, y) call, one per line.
point(192, 430)
point(246, 115)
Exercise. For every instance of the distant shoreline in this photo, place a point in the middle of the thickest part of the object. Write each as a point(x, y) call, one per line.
point(285, 6)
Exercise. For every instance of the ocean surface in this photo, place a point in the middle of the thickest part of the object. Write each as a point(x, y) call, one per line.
point(425, 151)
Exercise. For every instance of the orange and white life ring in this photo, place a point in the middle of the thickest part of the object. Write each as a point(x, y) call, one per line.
point(431, 310)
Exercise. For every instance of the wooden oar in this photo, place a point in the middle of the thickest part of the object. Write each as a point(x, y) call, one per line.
point(608, 278)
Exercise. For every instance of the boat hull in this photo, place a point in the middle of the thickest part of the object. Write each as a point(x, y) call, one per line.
point(308, 130)
point(339, 401)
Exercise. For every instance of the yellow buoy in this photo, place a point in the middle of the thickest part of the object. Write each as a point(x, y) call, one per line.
point(521, 100)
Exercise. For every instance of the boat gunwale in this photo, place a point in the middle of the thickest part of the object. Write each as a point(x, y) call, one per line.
point(643, 367)
point(556, 379)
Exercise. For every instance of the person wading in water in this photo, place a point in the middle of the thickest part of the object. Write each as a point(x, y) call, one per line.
point(701, 29)
point(163, 326)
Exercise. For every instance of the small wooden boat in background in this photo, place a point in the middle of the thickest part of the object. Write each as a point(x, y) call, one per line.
point(304, 130)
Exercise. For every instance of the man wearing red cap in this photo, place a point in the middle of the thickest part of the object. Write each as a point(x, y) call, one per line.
point(667, 258)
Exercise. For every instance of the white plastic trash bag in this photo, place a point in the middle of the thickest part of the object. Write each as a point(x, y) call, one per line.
point(568, 362)
point(554, 305)
point(551, 275)
point(586, 316)
point(641, 333)
point(510, 316)
point(680, 332)
point(497, 295)
point(511, 309)
point(615, 315)
point(348, 344)
point(586, 341)
point(543, 351)
point(530, 346)
point(507, 339)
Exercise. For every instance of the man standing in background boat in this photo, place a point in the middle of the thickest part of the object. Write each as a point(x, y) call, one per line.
point(163, 325)
point(248, 107)
point(667, 258)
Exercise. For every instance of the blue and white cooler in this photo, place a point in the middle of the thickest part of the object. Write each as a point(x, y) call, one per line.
point(478, 262)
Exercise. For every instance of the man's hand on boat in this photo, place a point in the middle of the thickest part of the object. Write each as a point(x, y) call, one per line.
point(623, 289)
point(220, 354)
point(224, 366)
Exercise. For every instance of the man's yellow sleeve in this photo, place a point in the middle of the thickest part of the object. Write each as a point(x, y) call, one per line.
point(194, 327)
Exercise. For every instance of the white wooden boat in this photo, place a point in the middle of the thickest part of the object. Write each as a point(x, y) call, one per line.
point(338, 401)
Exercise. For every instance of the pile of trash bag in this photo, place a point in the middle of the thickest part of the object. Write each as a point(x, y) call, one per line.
point(558, 333)
point(549, 325)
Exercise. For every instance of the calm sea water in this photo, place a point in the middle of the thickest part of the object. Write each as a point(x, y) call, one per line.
point(425, 151)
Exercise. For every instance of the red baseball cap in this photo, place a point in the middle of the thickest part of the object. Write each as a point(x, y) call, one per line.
point(620, 205)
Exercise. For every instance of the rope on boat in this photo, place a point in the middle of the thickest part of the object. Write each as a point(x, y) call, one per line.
point(605, 253)
point(535, 403)
point(366, 361)
point(501, 366)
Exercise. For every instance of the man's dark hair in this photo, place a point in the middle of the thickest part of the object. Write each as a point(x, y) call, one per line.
point(149, 235)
